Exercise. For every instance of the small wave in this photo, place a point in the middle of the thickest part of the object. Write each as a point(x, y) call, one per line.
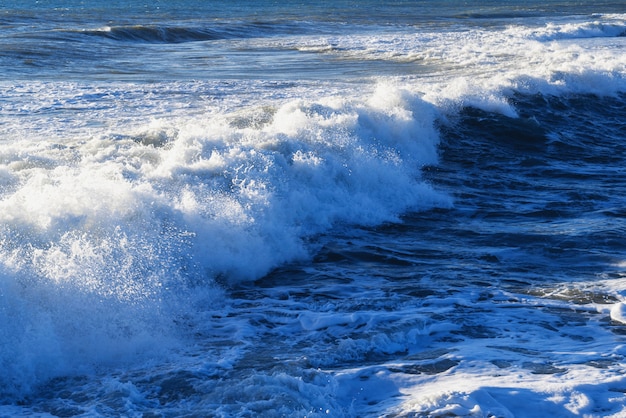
point(595, 29)
point(158, 34)
point(180, 34)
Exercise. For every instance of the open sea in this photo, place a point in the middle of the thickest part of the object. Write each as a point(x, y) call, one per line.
point(411, 208)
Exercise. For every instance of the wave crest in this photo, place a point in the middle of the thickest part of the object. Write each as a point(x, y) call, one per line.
point(156, 34)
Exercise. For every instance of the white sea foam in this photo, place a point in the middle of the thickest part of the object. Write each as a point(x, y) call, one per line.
point(103, 236)
point(122, 205)
point(609, 27)
point(480, 67)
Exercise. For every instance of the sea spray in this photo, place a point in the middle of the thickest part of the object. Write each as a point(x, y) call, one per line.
point(102, 252)
point(244, 209)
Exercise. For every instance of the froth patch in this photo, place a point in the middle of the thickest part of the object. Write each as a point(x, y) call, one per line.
point(618, 312)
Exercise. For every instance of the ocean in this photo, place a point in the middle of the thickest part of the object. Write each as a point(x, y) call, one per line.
point(312, 209)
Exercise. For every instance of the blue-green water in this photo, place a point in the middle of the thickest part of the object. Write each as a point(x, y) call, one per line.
point(346, 209)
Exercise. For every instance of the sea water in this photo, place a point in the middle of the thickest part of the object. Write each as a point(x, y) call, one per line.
point(346, 208)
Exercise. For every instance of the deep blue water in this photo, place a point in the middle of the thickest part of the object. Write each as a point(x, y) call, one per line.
point(347, 209)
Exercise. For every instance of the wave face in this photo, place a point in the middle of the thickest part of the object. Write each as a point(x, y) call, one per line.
point(322, 210)
point(180, 34)
point(155, 34)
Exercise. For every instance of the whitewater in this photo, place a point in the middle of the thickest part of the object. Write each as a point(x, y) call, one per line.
point(400, 209)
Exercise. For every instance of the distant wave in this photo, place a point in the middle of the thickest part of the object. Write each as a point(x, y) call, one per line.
point(593, 29)
point(157, 34)
point(180, 34)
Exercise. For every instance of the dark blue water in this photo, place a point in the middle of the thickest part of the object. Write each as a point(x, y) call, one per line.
point(340, 209)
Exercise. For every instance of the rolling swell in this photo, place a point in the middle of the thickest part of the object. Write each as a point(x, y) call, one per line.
point(594, 29)
point(158, 34)
point(181, 34)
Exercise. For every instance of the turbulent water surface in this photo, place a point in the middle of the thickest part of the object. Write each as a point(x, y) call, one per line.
point(346, 209)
